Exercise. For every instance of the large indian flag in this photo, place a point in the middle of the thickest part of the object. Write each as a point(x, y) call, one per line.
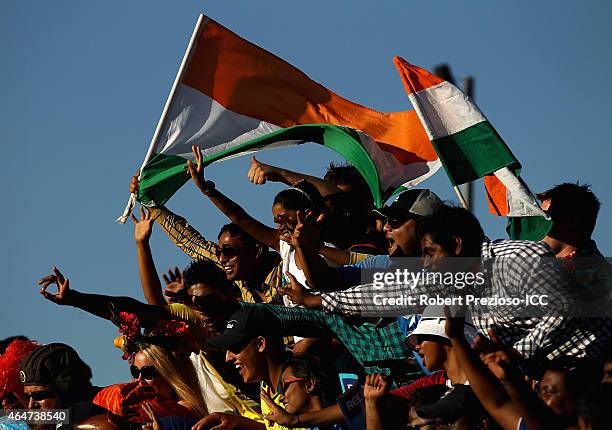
point(467, 144)
point(231, 97)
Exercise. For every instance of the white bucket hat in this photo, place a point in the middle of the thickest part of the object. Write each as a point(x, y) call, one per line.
point(432, 323)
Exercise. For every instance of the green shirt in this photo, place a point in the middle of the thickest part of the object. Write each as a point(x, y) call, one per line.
point(365, 341)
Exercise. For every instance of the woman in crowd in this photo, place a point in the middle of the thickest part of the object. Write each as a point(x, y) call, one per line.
point(170, 374)
point(302, 385)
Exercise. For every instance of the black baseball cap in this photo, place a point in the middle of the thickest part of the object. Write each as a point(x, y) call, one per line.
point(245, 325)
point(416, 203)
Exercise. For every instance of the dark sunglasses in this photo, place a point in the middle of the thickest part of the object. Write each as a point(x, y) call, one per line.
point(228, 251)
point(147, 372)
point(239, 346)
point(38, 396)
point(286, 382)
point(393, 222)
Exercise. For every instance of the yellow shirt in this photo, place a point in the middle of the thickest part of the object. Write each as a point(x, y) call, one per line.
point(241, 404)
point(265, 410)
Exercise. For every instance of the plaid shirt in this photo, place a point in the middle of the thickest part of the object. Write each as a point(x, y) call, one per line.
point(365, 340)
point(513, 269)
point(192, 243)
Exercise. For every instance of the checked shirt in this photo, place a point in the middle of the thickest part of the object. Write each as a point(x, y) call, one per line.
point(364, 340)
point(512, 268)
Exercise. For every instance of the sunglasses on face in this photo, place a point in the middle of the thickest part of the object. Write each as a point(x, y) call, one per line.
point(147, 372)
point(286, 382)
point(38, 396)
point(238, 347)
point(228, 251)
point(394, 223)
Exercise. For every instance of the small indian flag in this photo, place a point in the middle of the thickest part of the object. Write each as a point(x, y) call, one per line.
point(466, 142)
point(232, 97)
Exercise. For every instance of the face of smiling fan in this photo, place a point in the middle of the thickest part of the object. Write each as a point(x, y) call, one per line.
point(249, 360)
point(238, 260)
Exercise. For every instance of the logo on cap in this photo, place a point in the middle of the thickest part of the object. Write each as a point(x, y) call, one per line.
point(22, 376)
point(230, 323)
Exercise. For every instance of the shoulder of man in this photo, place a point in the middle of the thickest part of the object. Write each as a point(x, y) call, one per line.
point(511, 247)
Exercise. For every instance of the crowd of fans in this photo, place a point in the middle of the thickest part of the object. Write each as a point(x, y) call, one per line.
point(275, 328)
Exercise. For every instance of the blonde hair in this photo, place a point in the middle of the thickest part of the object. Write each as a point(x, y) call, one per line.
point(178, 371)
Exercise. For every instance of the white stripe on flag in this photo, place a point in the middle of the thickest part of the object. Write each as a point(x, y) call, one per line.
point(196, 119)
point(521, 201)
point(391, 172)
point(445, 110)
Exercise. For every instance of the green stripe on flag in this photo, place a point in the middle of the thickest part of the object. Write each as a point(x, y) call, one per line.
point(165, 174)
point(528, 227)
point(473, 153)
point(161, 178)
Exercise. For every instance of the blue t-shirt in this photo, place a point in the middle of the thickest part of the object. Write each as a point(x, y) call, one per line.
point(351, 274)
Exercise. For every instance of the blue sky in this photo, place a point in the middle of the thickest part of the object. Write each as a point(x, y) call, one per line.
point(84, 83)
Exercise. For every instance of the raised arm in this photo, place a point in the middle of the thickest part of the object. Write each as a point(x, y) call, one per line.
point(149, 280)
point(319, 275)
point(97, 304)
point(296, 321)
point(259, 173)
point(500, 390)
point(183, 235)
point(375, 387)
point(261, 232)
point(338, 256)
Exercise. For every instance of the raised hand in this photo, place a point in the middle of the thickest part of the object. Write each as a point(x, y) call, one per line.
point(197, 171)
point(297, 293)
point(143, 227)
point(307, 229)
point(259, 173)
point(135, 183)
point(63, 287)
point(498, 363)
point(454, 326)
point(175, 290)
point(376, 386)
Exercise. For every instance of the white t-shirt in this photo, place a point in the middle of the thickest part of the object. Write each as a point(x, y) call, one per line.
point(287, 253)
point(215, 396)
